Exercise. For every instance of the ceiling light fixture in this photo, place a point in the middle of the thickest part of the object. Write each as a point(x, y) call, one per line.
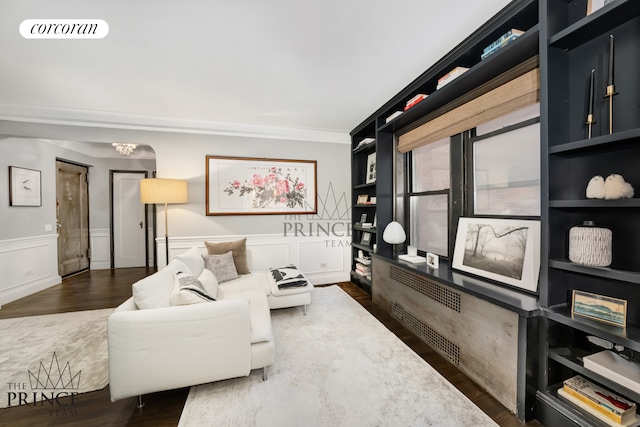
point(124, 149)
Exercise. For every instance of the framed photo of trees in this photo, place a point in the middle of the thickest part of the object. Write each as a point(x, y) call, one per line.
point(503, 250)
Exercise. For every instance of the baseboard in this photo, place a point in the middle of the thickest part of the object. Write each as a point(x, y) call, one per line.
point(26, 289)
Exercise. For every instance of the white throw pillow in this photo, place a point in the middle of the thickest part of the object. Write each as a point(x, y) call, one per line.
point(210, 283)
point(222, 266)
point(193, 260)
point(154, 291)
point(188, 290)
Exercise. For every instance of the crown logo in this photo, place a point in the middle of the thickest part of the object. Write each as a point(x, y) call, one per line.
point(54, 378)
point(331, 207)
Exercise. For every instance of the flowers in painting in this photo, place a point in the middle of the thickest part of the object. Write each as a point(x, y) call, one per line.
point(275, 187)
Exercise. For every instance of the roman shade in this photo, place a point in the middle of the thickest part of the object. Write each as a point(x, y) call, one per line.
point(517, 93)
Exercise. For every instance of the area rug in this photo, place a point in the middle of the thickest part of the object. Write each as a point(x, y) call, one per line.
point(53, 353)
point(336, 366)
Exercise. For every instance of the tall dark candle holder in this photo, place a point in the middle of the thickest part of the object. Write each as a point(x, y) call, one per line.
point(611, 89)
point(590, 118)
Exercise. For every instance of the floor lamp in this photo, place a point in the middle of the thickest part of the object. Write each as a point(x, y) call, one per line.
point(163, 190)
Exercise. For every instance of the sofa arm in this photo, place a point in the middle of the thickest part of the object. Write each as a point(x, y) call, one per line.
point(166, 348)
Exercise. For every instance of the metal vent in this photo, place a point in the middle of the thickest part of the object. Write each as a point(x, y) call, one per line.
point(427, 334)
point(433, 290)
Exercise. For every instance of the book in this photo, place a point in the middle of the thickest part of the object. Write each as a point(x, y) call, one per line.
point(498, 47)
point(451, 76)
point(509, 35)
point(634, 422)
point(415, 100)
point(412, 259)
point(363, 261)
point(600, 399)
point(365, 141)
point(393, 116)
point(615, 367)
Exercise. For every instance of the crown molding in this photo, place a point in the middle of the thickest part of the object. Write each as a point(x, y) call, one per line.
point(111, 120)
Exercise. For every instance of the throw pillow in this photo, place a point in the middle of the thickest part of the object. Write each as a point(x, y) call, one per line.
point(222, 266)
point(188, 290)
point(239, 250)
point(154, 291)
point(209, 281)
point(193, 260)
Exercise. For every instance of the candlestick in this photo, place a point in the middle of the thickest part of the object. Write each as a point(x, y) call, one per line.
point(590, 120)
point(611, 90)
point(610, 77)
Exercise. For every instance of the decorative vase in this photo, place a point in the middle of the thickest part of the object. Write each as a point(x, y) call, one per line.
point(590, 245)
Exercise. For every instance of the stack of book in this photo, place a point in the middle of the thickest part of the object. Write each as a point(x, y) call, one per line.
point(365, 141)
point(363, 270)
point(451, 76)
point(506, 38)
point(599, 402)
point(393, 116)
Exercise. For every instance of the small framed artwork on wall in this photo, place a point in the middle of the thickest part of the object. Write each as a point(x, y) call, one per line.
point(24, 187)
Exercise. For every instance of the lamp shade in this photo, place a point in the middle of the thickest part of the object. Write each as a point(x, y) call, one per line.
point(163, 190)
point(394, 233)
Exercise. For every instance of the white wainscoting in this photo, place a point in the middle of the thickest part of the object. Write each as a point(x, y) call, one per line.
point(28, 265)
point(100, 241)
point(323, 259)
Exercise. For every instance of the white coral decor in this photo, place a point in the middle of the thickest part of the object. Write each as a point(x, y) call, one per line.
point(595, 188)
point(615, 187)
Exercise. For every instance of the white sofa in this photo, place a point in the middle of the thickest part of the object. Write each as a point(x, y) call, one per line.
point(154, 346)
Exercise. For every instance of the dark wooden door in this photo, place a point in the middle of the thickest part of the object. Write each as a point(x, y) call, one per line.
point(72, 210)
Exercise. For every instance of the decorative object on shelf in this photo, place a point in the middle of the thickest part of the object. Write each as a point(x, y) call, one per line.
point(412, 250)
point(590, 119)
point(24, 187)
point(124, 149)
point(412, 259)
point(599, 307)
point(595, 188)
point(433, 260)
point(393, 116)
point(362, 199)
point(503, 41)
point(363, 218)
point(164, 191)
point(615, 187)
point(371, 168)
point(504, 250)
point(590, 245)
point(258, 186)
point(611, 89)
point(365, 239)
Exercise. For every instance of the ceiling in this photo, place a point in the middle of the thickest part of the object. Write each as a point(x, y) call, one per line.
point(322, 65)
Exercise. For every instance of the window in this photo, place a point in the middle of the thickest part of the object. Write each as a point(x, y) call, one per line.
point(506, 171)
point(428, 197)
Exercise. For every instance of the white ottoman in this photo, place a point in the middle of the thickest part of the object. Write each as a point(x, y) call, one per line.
point(289, 288)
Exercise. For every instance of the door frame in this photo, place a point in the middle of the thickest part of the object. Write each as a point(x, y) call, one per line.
point(112, 249)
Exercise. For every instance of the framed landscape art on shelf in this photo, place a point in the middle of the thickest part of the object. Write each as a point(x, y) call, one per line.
point(503, 250)
point(258, 186)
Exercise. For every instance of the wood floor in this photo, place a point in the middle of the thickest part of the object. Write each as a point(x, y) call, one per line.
point(108, 288)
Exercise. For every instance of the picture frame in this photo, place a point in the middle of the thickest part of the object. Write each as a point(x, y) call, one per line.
point(433, 260)
point(503, 250)
point(25, 187)
point(260, 186)
point(362, 199)
point(371, 168)
point(365, 239)
point(372, 200)
point(612, 311)
point(363, 218)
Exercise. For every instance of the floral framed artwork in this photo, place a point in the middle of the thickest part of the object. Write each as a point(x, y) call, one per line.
point(503, 250)
point(24, 187)
point(258, 186)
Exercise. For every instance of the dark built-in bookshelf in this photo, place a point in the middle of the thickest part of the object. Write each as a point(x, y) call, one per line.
point(567, 43)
